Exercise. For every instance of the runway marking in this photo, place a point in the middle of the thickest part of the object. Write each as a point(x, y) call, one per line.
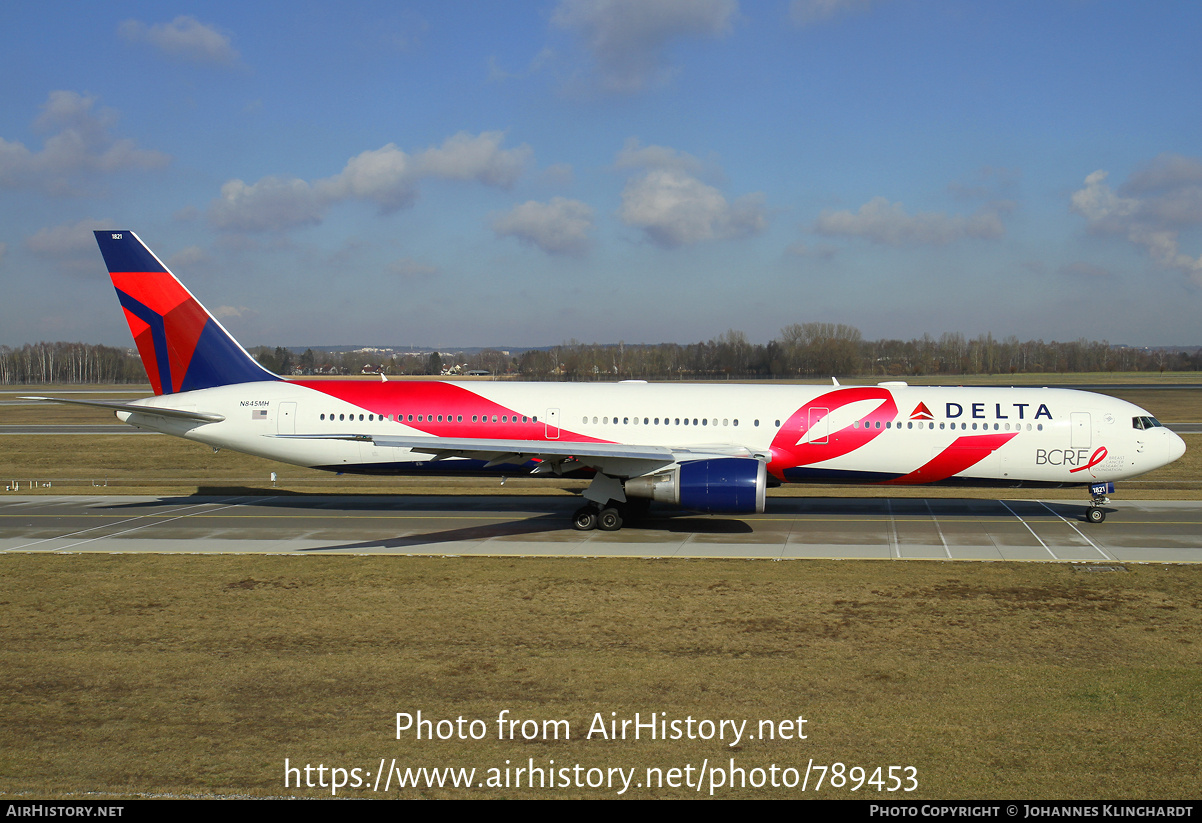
point(159, 520)
point(894, 548)
point(92, 528)
point(939, 529)
point(1073, 526)
point(1031, 530)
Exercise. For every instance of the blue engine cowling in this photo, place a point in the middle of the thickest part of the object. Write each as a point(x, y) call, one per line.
point(722, 485)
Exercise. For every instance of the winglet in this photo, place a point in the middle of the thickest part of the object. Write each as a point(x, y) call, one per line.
point(182, 345)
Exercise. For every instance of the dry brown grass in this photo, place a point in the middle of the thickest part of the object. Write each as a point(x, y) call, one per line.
point(135, 675)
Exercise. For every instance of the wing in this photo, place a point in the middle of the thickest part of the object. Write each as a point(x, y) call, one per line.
point(615, 459)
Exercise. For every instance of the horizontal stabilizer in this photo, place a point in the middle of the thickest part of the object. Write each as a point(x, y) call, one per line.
point(133, 408)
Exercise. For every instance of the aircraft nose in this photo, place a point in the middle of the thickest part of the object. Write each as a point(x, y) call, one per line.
point(1175, 445)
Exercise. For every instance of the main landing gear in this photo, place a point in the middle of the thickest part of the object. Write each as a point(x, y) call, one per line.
point(587, 518)
point(608, 517)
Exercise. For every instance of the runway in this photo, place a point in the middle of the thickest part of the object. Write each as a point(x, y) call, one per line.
point(1140, 531)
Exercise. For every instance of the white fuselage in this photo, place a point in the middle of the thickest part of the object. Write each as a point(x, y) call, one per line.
point(891, 433)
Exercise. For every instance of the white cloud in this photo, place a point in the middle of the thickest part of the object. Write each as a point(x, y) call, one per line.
point(412, 269)
point(989, 183)
point(498, 74)
point(1087, 271)
point(271, 204)
point(674, 208)
point(480, 159)
point(387, 177)
point(627, 38)
point(559, 227)
point(81, 144)
point(184, 258)
point(558, 174)
point(1169, 199)
point(822, 252)
point(809, 12)
point(636, 156)
point(68, 240)
point(184, 38)
point(888, 223)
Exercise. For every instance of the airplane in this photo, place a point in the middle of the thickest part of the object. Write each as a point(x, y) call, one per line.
point(713, 448)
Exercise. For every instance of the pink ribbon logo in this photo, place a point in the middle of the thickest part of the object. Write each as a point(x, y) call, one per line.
point(1094, 459)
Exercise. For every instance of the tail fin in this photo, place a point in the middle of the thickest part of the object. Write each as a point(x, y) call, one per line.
point(182, 346)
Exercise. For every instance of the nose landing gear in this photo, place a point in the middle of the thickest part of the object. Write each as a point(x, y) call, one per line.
point(1098, 491)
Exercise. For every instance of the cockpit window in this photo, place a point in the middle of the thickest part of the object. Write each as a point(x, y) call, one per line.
point(1145, 423)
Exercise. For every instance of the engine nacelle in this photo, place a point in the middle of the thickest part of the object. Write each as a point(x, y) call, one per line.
point(723, 485)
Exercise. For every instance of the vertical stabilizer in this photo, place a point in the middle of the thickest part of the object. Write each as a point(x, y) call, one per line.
point(182, 346)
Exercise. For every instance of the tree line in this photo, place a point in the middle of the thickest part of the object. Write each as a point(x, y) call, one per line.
point(801, 350)
point(69, 363)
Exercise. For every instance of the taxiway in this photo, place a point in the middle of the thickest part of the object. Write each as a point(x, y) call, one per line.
point(1135, 531)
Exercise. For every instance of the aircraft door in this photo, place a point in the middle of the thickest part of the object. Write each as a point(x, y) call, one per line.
point(1080, 430)
point(286, 419)
point(819, 426)
point(552, 423)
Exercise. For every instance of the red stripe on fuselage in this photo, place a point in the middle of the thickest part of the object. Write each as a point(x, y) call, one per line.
point(429, 399)
point(962, 454)
point(787, 453)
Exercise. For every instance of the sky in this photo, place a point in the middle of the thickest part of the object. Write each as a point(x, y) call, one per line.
point(523, 174)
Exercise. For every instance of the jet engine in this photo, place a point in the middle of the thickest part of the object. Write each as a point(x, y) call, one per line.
point(723, 485)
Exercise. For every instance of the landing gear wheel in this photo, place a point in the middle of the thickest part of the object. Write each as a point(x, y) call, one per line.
point(585, 519)
point(1095, 514)
point(610, 520)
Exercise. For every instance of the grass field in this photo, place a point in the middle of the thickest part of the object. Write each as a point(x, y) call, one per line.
point(178, 675)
